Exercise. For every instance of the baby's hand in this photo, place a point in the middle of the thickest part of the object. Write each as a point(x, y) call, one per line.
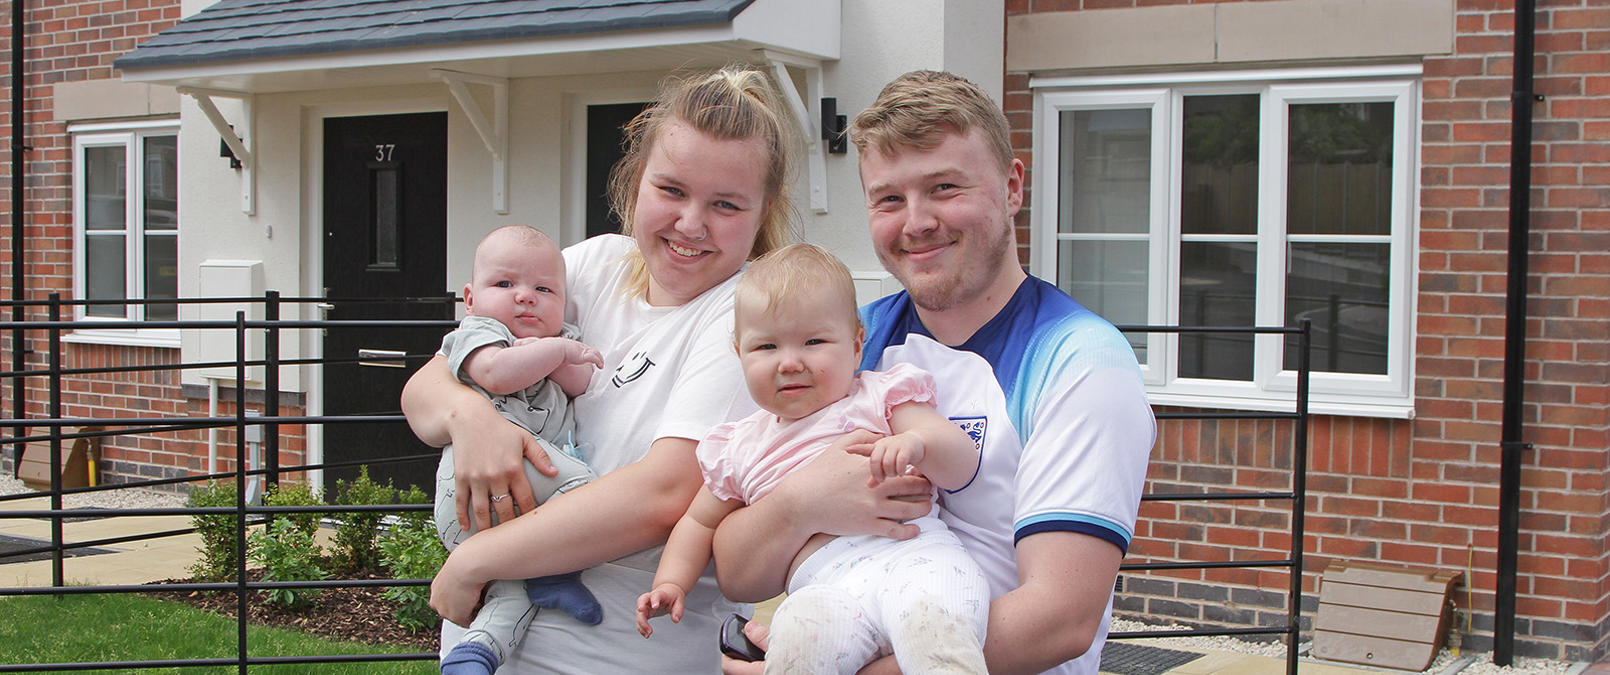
point(891, 456)
point(577, 353)
point(666, 598)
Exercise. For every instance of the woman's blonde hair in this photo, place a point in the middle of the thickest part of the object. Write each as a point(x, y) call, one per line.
point(796, 271)
point(918, 109)
point(735, 103)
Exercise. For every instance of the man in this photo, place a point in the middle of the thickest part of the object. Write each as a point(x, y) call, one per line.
point(1050, 391)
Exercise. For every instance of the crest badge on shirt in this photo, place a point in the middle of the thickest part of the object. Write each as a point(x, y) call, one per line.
point(974, 426)
point(631, 369)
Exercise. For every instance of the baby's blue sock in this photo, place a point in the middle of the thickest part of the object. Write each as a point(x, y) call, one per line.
point(469, 658)
point(565, 593)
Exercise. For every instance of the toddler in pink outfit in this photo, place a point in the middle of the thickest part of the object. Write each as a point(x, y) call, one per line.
point(850, 599)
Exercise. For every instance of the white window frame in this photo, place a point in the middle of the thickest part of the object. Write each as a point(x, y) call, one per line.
point(1271, 387)
point(104, 329)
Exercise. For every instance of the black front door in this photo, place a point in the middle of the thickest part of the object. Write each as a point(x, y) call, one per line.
point(604, 149)
point(385, 234)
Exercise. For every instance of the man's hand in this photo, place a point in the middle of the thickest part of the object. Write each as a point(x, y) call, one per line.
point(858, 507)
point(755, 545)
point(758, 634)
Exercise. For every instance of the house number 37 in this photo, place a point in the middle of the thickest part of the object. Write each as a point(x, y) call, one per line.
point(383, 151)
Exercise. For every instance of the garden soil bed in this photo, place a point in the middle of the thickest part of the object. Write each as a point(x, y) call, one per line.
point(352, 614)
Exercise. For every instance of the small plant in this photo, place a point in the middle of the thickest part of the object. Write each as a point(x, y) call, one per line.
point(287, 553)
point(413, 551)
point(286, 494)
point(220, 554)
point(354, 548)
point(414, 495)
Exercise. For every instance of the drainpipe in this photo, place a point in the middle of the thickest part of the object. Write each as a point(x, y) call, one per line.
point(19, 91)
point(1520, 205)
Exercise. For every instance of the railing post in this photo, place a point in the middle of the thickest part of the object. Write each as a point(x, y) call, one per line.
point(240, 488)
point(1299, 492)
point(271, 389)
point(56, 575)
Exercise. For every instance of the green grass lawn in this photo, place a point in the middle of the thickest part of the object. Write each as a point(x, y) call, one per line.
point(122, 627)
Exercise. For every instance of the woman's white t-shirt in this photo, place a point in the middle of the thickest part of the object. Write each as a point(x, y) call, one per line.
point(668, 372)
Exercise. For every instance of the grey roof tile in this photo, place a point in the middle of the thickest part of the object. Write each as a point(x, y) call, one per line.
point(233, 30)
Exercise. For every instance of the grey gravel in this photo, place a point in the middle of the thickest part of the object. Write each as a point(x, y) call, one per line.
point(1442, 665)
point(131, 498)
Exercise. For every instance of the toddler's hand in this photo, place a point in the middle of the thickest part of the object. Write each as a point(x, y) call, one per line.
point(891, 456)
point(666, 598)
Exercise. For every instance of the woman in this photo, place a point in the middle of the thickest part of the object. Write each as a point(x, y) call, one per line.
point(702, 189)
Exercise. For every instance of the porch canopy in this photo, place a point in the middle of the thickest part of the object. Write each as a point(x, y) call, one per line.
point(242, 48)
point(268, 46)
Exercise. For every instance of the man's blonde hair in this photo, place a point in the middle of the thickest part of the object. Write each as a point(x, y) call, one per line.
point(918, 109)
point(795, 271)
point(734, 103)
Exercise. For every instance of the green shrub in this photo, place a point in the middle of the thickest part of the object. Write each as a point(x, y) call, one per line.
point(354, 546)
point(286, 494)
point(414, 495)
point(287, 553)
point(220, 555)
point(413, 551)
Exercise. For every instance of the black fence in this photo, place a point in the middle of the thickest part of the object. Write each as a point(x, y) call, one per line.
point(1295, 497)
point(53, 430)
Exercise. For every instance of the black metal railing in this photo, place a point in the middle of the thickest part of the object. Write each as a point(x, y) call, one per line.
point(53, 430)
point(1296, 496)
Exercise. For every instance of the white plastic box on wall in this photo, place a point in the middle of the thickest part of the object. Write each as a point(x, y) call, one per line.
point(229, 279)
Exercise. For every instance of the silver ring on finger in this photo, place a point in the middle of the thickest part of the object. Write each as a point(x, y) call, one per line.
point(499, 498)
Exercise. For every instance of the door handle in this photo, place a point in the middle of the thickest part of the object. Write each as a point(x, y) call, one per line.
point(382, 358)
point(324, 314)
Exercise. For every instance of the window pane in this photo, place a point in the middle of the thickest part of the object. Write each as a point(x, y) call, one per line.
point(383, 234)
point(1106, 171)
point(104, 191)
point(1109, 277)
point(1342, 288)
point(1219, 174)
point(104, 273)
point(161, 156)
point(1218, 285)
point(161, 275)
point(1339, 169)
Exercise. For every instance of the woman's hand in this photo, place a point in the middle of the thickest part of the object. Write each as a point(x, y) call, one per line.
point(453, 596)
point(487, 448)
point(488, 466)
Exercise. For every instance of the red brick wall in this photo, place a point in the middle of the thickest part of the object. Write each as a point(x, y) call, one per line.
point(1425, 491)
point(1563, 585)
point(71, 41)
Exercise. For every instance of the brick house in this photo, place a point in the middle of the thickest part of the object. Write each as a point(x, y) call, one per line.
point(76, 105)
point(1131, 103)
point(1191, 163)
